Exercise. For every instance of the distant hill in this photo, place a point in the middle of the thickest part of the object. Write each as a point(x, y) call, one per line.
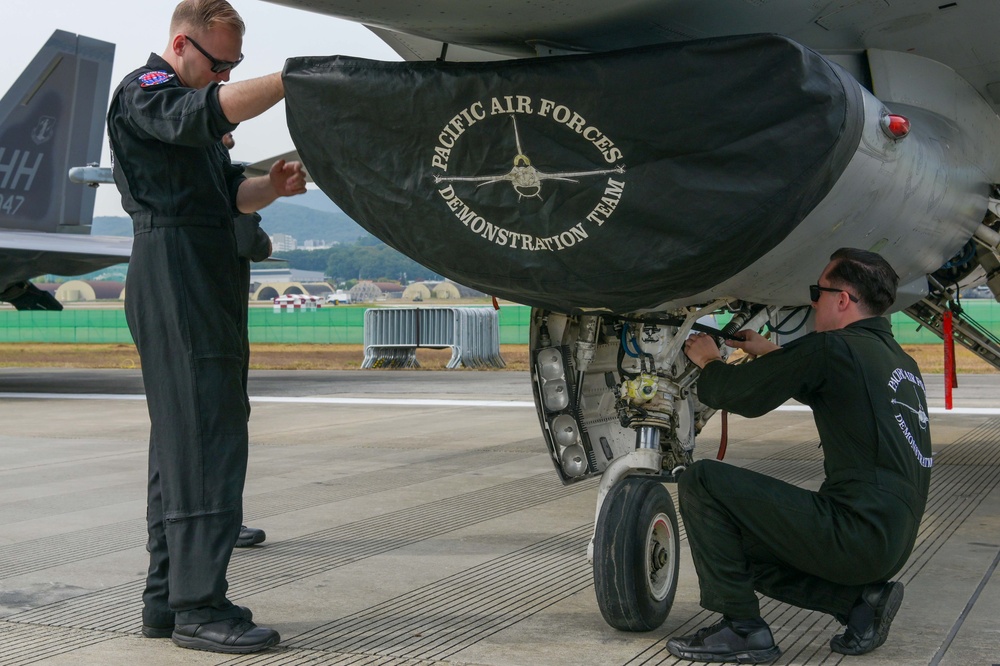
point(111, 226)
point(316, 200)
point(312, 216)
point(306, 223)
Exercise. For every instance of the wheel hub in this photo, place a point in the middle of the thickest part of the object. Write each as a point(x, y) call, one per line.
point(659, 542)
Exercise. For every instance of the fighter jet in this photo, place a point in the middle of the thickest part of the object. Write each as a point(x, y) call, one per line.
point(730, 147)
point(51, 119)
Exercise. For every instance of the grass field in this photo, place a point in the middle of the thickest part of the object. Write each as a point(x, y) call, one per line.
point(349, 357)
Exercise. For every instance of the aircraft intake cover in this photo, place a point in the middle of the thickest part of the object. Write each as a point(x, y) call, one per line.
point(614, 181)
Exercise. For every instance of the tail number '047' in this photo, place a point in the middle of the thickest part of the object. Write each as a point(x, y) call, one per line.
point(11, 203)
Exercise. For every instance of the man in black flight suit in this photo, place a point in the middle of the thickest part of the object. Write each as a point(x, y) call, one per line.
point(833, 550)
point(183, 307)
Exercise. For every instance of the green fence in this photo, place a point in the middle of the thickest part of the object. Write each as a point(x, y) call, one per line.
point(70, 326)
point(341, 325)
point(329, 325)
point(326, 325)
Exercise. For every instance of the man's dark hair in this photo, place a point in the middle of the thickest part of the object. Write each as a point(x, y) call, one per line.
point(872, 278)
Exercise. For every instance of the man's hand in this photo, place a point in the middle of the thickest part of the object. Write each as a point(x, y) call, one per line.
point(701, 349)
point(752, 343)
point(287, 178)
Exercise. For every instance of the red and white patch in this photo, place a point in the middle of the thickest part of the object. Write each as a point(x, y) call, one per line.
point(154, 78)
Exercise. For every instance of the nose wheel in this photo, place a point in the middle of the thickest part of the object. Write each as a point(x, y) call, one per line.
point(636, 555)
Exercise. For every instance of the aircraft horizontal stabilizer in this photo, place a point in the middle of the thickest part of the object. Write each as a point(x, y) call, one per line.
point(263, 167)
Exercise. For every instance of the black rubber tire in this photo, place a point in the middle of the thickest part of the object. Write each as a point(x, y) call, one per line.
point(636, 555)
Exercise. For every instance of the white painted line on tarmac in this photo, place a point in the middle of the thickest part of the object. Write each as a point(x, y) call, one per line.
point(304, 400)
point(71, 396)
point(416, 402)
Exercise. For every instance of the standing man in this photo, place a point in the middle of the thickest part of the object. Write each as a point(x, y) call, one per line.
point(183, 309)
point(836, 549)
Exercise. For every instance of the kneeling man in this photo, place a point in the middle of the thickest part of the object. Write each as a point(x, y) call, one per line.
point(836, 549)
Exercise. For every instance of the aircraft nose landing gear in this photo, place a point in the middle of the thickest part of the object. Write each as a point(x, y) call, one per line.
point(616, 399)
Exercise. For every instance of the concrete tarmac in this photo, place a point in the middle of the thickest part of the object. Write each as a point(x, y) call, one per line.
point(413, 518)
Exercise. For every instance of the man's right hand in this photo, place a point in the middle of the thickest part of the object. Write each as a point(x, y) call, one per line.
point(752, 343)
point(287, 178)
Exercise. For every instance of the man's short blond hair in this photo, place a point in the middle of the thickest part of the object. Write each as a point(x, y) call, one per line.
point(201, 15)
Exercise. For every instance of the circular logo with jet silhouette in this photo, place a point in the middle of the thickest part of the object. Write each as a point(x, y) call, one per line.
point(527, 173)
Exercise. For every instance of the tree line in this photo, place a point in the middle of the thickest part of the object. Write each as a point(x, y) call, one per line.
point(366, 259)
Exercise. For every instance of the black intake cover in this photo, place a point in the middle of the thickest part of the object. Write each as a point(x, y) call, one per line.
point(614, 180)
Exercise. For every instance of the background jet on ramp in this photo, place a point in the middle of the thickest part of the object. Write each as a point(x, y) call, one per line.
point(52, 118)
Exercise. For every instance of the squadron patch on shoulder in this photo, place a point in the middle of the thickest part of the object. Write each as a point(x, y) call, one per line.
point(154, 78)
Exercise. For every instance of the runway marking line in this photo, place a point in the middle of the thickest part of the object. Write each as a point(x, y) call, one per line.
point(415, 402)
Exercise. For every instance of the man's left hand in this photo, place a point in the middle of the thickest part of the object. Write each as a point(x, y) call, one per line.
point(287, 178)
point(701, 349)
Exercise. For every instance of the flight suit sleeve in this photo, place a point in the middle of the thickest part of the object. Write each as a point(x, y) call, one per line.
point(759, 386)
point(176, 115)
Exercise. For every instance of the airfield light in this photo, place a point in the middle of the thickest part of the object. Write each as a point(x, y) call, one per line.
point(895, 126)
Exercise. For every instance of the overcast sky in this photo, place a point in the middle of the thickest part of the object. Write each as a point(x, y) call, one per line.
point(138, 28)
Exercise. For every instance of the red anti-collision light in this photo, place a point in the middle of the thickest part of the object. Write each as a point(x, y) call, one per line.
point(895, 127)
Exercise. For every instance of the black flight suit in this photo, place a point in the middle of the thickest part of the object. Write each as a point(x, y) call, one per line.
point(814, 550)
point(184, 309)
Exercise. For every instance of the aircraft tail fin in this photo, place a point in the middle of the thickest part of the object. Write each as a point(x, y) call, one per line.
point(52, 119)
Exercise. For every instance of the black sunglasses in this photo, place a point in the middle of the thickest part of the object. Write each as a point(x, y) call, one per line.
point(218, 66)
point(814, 290)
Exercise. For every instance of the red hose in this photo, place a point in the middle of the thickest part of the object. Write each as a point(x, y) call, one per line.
point(725, 436)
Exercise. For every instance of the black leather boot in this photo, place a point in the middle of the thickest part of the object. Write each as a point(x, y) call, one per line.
point(233, 636)
point(739, 641)
point(879, 602)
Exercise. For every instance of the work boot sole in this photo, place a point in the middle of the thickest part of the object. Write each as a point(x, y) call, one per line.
point(195, 643)
point(739, 657)
point(886, 611)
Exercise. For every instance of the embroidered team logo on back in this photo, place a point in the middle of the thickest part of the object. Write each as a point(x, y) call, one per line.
point(154, 78)
point(909, 406)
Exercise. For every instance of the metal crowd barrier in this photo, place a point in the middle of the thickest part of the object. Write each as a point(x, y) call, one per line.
point(392, 336)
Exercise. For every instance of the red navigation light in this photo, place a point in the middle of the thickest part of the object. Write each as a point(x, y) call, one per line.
point(895, 127)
